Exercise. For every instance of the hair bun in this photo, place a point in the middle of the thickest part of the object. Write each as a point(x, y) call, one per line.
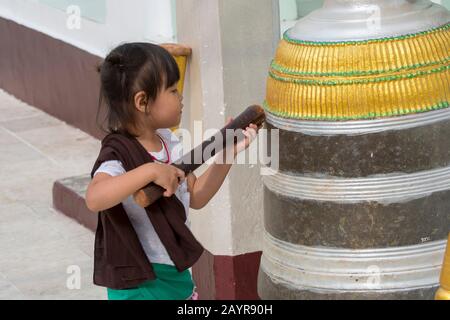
point(115, 59)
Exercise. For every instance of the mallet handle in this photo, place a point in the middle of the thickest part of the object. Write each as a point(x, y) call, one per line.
point(190, 162)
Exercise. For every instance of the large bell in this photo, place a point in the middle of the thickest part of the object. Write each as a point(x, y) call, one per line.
point(360, 205)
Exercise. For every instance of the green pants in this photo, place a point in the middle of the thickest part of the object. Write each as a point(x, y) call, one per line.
point(168, 285)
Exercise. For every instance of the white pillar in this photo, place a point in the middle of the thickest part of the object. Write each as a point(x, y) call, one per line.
point(233, 42)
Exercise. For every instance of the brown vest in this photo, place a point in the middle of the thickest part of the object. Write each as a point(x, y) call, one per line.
point(119, 258)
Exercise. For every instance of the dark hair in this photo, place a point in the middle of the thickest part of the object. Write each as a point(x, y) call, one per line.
point(128, 69)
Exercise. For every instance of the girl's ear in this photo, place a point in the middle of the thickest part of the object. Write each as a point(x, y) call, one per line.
point(140, 101)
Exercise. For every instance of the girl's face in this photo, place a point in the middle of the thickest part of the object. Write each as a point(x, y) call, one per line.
point(166, 110)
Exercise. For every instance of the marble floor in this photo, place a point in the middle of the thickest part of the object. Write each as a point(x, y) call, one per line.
point(43, 254)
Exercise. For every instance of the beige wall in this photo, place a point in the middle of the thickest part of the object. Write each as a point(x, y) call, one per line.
point(124, 21)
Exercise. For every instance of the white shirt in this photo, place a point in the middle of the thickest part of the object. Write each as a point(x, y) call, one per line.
point(153, 247)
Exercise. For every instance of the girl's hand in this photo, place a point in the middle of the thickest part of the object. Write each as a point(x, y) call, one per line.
point(168, 177)
point(250, 134)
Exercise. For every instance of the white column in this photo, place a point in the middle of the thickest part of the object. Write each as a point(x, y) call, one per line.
point(233, 42)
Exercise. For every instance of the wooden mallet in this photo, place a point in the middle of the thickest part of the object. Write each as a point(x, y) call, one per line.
point(196, 157)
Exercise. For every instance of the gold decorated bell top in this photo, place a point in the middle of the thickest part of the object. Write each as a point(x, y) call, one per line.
point(356, 60)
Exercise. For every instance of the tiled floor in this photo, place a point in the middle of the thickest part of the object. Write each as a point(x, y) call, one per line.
point(37, 244)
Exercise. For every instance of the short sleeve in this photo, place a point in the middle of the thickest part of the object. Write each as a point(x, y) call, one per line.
point(113, 168)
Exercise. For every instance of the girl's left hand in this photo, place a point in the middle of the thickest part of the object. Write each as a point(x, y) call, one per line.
point(250, 134)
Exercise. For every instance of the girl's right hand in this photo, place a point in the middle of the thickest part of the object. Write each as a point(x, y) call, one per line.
point(168, 177)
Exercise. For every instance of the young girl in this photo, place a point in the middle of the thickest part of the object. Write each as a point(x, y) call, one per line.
point(143, 253)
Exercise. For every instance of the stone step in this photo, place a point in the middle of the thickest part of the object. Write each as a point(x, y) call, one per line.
point(69, 199)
